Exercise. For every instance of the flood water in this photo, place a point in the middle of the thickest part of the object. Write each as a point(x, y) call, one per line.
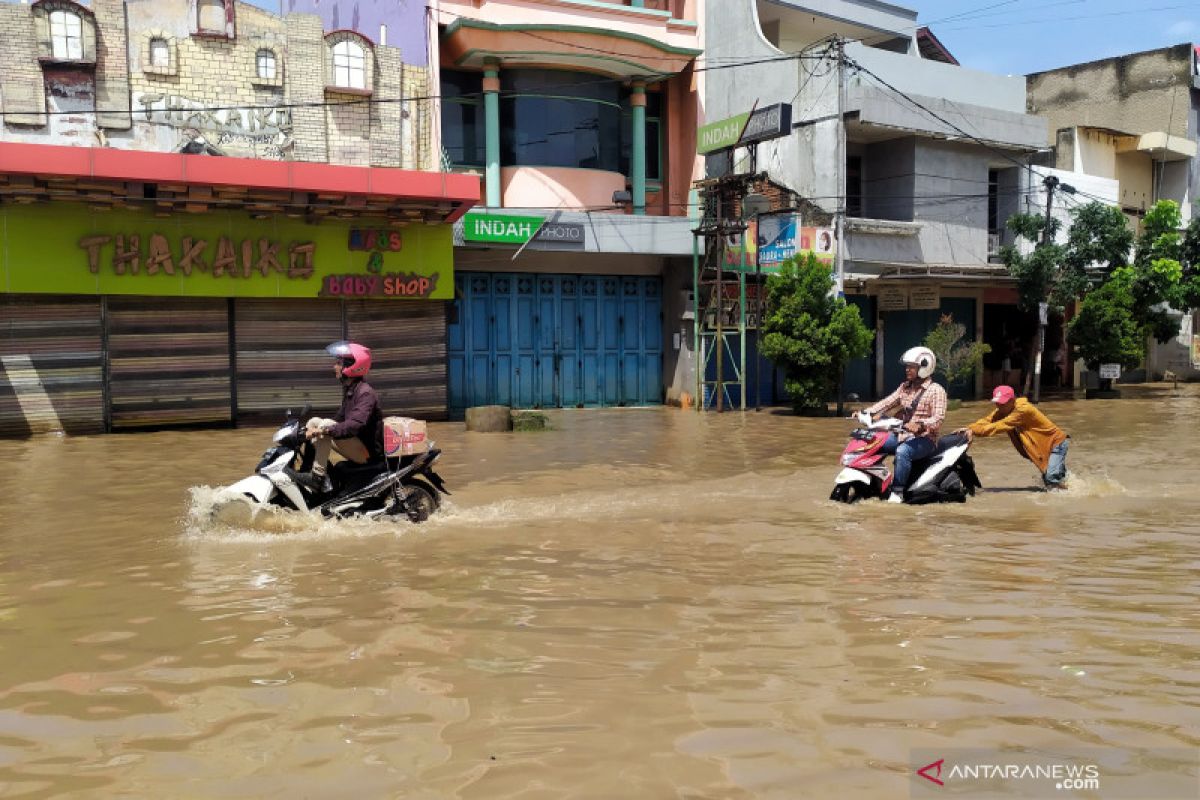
point(640, 603)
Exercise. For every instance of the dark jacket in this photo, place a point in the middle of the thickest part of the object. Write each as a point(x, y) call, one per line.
point(360, 416)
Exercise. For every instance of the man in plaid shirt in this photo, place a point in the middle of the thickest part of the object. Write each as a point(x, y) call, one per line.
point(922, 410)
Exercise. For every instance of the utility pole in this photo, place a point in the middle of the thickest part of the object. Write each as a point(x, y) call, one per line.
point(1051, 183)
point(840, 219)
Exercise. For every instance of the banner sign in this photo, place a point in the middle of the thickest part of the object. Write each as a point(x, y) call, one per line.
point(500, 228)
point(71, 249)
point(924, 297)
point(893, 298)
point(777, 238)
point(769, 122)
point(816, 241)
point(1196, 350)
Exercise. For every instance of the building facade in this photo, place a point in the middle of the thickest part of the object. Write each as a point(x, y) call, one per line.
point(1134, 121)
point(580, 119)
point(920, 154)
point(198, 196)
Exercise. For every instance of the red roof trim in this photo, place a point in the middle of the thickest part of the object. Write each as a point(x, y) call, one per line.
point(135, 165)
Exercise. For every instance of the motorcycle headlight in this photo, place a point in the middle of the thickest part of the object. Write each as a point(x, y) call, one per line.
point(848, 459)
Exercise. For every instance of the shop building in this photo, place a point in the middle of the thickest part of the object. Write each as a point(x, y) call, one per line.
point(196, 199)
point(571, 276)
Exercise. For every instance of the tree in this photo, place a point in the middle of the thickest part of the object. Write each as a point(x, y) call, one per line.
point(1155, 277)
point(810, 333)
point(1105, 330)
point(1189, 286)
point(956, 360)
point(1058, 274)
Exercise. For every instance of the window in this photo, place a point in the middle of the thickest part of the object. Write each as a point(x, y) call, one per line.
point(994, 201)
point(160, 53)
point(211, 16)
point(462, 118)
point(854, 186)
point(653, 136)
point(66, 36)
point(560, 119)
point(265, 64)
point(349, 65)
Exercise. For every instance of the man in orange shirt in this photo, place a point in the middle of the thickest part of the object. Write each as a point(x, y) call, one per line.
point(1035, 437)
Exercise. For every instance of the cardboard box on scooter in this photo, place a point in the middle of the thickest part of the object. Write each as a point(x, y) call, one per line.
point(404, 436)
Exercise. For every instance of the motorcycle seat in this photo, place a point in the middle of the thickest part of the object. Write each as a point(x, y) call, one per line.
point(948, 441)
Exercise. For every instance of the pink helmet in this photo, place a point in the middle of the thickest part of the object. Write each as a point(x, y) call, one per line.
point(356, 359)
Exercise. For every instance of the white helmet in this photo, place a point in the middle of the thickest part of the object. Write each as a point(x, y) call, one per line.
point(923, 358)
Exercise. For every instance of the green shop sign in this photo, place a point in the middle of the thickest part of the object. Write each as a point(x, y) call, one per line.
point(721, 135)
point(500, 228)
point(70, 249)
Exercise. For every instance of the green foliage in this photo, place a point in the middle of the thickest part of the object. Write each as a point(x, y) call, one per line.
point(1188, 294)
point(1105, 331)
point(809, 333)
point(956, 360)
point(1098, 242)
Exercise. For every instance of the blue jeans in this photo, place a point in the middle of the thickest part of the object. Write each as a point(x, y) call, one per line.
point(1056, 470)
point(915, 449)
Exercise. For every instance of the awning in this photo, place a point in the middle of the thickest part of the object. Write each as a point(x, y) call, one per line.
point(177, 182)
point(1164, 147)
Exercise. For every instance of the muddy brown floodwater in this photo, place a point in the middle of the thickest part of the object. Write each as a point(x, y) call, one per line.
point(639, 603)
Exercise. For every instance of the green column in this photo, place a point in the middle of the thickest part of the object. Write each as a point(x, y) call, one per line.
point(638, 3)
point(491, 136)
point(638, 147)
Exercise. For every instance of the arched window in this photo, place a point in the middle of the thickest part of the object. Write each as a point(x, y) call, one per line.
point(160, 53)
point(66, 36)
point(265, 64)
point(349, 65)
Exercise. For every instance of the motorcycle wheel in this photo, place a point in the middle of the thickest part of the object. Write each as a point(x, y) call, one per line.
point(848, 493)
point(419, 502)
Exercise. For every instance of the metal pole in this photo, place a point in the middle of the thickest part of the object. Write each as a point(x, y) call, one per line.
point(840, 255)
point(697, 347)
point(719, 339)
point(758, 309)
point(742, 304)
point(1051, 184)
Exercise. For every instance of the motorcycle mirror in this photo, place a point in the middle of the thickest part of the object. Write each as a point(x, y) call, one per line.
point(304, 412)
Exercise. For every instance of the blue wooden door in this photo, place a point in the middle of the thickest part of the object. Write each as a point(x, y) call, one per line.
point(549, 341)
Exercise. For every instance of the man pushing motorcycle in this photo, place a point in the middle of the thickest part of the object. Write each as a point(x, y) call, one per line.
point(1036, 438)
point(922, 411)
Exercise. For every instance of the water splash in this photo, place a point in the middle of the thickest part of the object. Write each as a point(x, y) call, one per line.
point(214, 515)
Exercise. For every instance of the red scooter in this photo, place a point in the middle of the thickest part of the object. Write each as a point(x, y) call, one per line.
point(947, 476)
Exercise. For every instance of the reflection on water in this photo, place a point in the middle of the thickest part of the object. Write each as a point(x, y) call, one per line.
point(640, 603)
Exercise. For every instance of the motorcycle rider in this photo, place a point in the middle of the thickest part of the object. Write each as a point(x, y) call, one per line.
point(356, 431)
point(922, 411)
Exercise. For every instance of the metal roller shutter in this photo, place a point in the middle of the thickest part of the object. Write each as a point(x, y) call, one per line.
point(408, 349)
point(281, 361)
point(168, 361)
point(52, 369)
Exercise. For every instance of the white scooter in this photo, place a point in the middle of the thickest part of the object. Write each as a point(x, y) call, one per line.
point(396, 487)
point(948, 476)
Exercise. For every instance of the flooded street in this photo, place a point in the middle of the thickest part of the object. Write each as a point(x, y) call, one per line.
point(640, 603)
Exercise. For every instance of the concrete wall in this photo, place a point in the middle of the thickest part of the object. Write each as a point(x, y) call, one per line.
point(1130, 94)
point(913, 75)
point(883, 17)
point(889, 179)
point(989, 106)
point(210, 92)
